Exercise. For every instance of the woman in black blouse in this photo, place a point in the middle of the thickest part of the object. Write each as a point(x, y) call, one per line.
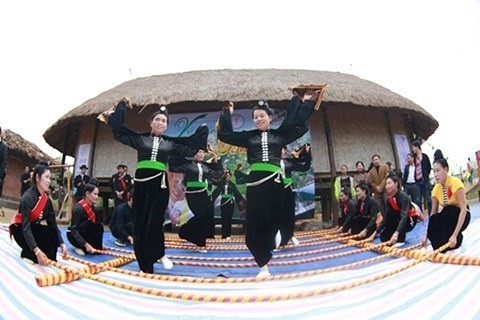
point(400, 214)
point(197, 173)
point(265, 186)
point(362, 220)
point(301, 163)
point(37, 240)
point(229, 195)
point(151, 195)
point(85, 230)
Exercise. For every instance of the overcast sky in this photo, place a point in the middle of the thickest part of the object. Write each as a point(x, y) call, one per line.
point(57, 54)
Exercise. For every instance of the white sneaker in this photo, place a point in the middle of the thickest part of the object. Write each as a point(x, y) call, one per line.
point(120, 243)
point(79, 251)
point(202, 250)
point(167, 264)
point(398, 244)
point(228, 238)
point(263, 274)
point(276, 249)
point(295, 241)
point(278, 239)
point(26, 260)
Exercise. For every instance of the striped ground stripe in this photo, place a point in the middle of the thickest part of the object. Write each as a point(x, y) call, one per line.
point(415, 291)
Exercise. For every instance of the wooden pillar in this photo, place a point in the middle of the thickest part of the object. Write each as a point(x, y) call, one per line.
point(332, 212)
point(393, 143)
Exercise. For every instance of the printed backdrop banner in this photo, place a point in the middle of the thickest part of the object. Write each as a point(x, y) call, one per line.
point(185, 124)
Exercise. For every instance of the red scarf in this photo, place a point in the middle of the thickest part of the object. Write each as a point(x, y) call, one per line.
point(123, 184)
point(36, 211)
point(88, 210)
point(345, 208)
point(411, 211)
point(393, 203)
point(34, 214)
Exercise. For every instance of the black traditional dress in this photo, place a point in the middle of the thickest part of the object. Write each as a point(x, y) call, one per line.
point(32, 230)
point(400, 216)
point(85, 226)
point(229, 195)
point(121, 222)
point(265, 189)
point(151, 195)
point(288, 165)
point(346, 209)
point(196, 177)
point(364, 216)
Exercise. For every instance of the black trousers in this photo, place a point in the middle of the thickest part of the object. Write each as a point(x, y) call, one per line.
point(92, 234)
point(226, 212)
point(195, 230)
point(287, 224)
point(45, 237)
point(127, 229)
point(150, 201)
point(391, 224)
point(263, 216)
point(358, 223)
point(210, 219)
point(441, 226)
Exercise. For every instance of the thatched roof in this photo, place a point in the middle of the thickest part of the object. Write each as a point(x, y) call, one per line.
point(23, 149)
point(181, 90)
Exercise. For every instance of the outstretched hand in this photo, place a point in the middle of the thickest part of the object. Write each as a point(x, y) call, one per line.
point(230, 106)
point(126, 100)
point(103, 117)
point(311, 95)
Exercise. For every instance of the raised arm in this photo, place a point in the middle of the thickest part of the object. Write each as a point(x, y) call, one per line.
point(116, 121)
point(188, 146)
point(225, 128)
point(299, 111)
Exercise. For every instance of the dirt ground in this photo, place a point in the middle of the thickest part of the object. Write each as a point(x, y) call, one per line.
point(6, 215)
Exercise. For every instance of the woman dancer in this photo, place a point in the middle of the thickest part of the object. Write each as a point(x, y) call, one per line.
point(38, 241)
point(264, 187)
point(150, 198)
point(300, 163)
point(197, 173)
point(450, 214)
point(229, 195)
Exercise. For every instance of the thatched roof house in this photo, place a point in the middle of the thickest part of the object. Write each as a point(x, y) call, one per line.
point(191, 91)
point(21, 153)
point(24, 150)
point(357, 118)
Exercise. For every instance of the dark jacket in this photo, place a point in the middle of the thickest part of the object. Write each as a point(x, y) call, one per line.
point(426, 167)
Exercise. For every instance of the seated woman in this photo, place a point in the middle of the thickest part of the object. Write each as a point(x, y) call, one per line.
point(121, 221)
point(363, 219)
point(37, 240)
point(450, 214)
point(347, 206)
point(85, 230)
point(400, 214)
